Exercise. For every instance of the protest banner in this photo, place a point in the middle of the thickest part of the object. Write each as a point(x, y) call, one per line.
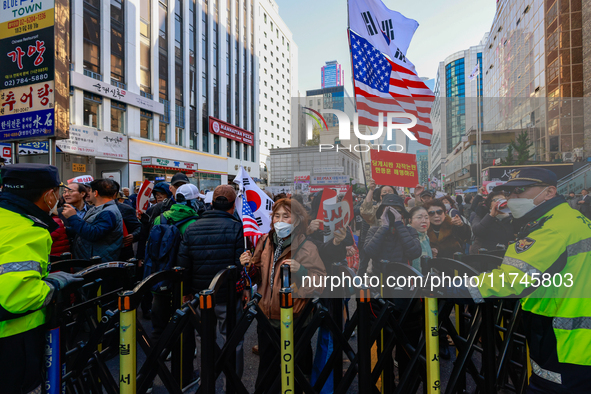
point(143, 199)
point(337, 215)
point(394, 169)
point(81, 179)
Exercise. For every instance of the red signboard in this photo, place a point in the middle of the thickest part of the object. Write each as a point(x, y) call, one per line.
point(223, 129)
point(394, 169)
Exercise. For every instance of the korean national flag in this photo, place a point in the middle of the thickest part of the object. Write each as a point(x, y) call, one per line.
point(386, 30)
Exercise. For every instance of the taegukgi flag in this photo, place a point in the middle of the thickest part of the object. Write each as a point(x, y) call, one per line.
point(475, 72)
point(261, 205)
point(386, 30)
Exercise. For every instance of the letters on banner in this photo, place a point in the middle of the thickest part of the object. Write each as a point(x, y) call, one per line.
point(394, 169)
point(337, 215)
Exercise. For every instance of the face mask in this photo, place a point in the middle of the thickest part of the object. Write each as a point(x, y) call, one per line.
point(283, 229)
point(52, 211)
point(521, 206)
point(447, 207)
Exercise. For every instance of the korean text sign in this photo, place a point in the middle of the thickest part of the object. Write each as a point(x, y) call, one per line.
point(395, 169)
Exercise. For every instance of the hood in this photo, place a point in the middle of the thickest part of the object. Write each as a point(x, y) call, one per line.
point(179, 212)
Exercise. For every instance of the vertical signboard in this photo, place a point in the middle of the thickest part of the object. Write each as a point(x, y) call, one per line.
point(34, 84)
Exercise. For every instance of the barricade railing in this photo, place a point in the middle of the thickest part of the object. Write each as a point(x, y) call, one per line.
point(393, 320)
point(82, 340)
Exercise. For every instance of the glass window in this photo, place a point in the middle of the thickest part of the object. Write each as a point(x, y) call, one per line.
point(92, 40)
point(179, 136)
point(237, 149)
point(118, 116)
point(163, 132)
point(229, 146)
point(117, 41)
point(245, 152)
point(92, 110)
point(146, 121)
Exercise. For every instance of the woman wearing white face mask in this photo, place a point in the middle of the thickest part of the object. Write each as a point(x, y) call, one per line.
point(285, 244)
point(496, 227)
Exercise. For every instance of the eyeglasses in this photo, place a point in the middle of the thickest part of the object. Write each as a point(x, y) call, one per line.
point(69, 191)
point(521, 189)
point(437, 212)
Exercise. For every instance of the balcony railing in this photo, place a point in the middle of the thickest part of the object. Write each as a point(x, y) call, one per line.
point(93, 75)
point(179, 116)
point(118, 84)
point(166, 117)
point(146, 95)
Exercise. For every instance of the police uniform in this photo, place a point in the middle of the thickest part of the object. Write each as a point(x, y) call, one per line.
point(552, 252)
point(25, 289)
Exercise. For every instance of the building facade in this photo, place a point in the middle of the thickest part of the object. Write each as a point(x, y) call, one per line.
point(537, 61)
point(454, 113)
point(332, 75)
point(423, 166)
point(176, 80)
point(278, 70)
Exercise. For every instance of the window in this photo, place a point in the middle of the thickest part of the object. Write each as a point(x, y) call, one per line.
point(118, 116)
point(271, 26)
point(265, 132)
point(146, 121)
point(163, 132)
point(272, 135)
point(245, 152)
point(117, 41)
point(92, 110)
point(272, 123)
point(265, 144)
point(265, 120)
point(265, 17)
point(237, 149)
point(92, 35)
point(272, 146)
point(265, 107)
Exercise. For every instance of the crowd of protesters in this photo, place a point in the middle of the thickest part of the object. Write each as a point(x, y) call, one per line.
point(100, 219)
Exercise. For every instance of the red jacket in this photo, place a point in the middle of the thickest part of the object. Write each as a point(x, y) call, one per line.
point(61, 243)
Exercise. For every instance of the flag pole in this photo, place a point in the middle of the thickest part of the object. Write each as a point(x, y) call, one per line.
point(355, 98)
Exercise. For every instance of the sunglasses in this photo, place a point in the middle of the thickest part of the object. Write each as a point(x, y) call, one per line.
point(437, 212)
point(520, 189)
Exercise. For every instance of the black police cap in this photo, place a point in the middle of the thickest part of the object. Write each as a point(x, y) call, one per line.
point(529, 176)
point(29, 176)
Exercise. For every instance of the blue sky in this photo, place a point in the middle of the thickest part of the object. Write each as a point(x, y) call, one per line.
point(319, 28)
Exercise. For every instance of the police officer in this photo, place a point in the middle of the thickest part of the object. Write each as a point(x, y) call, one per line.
point(29, 194)
point(548, 267)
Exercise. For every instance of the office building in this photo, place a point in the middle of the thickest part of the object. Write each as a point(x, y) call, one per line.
point(453, 114)
point(534, 61)
point(278, 69)
point(332, 75)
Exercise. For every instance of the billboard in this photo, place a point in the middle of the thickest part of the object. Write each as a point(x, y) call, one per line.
point(30, 57)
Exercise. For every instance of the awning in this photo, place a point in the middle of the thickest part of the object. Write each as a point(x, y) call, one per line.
point(186, 171)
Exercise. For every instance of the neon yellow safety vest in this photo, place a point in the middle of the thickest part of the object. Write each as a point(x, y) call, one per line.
point(556, 257)
point(24, 255)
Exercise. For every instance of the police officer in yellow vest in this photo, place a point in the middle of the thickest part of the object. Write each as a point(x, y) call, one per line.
point(29, 194)
point(549, 268)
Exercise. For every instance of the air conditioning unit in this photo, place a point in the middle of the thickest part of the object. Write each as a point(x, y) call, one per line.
point(568, 157)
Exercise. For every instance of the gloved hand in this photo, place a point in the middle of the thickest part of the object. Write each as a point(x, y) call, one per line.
point(59, 280)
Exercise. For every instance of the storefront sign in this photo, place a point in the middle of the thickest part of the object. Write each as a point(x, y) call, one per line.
point(232, 132)
point(330, 180)
point(91, 142)
point(107, 90)
point(329, 170)
point(156, 162)
point(28, 99)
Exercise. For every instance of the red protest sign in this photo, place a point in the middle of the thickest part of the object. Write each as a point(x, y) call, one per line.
point(143, 196)
point(394, 169)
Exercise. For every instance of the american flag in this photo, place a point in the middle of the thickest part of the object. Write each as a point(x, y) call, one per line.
point(385, 85)
point(249, 223)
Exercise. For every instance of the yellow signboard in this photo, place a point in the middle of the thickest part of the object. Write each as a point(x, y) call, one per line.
point(78, 167)
point(27, 24)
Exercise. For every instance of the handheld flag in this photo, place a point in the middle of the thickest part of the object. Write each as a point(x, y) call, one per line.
point(249, 224)
point(260, 204)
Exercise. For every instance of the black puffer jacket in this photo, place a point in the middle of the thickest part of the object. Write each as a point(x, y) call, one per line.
point(209, 245)
point(396, 244)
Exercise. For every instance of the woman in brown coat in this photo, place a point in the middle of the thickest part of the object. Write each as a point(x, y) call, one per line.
point(447, 235)
point(285, 244)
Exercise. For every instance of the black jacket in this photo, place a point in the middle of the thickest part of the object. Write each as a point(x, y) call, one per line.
point(397, 244)
point(328, 251)
point(133, 226)
point(489, 231)
point(209, 245)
